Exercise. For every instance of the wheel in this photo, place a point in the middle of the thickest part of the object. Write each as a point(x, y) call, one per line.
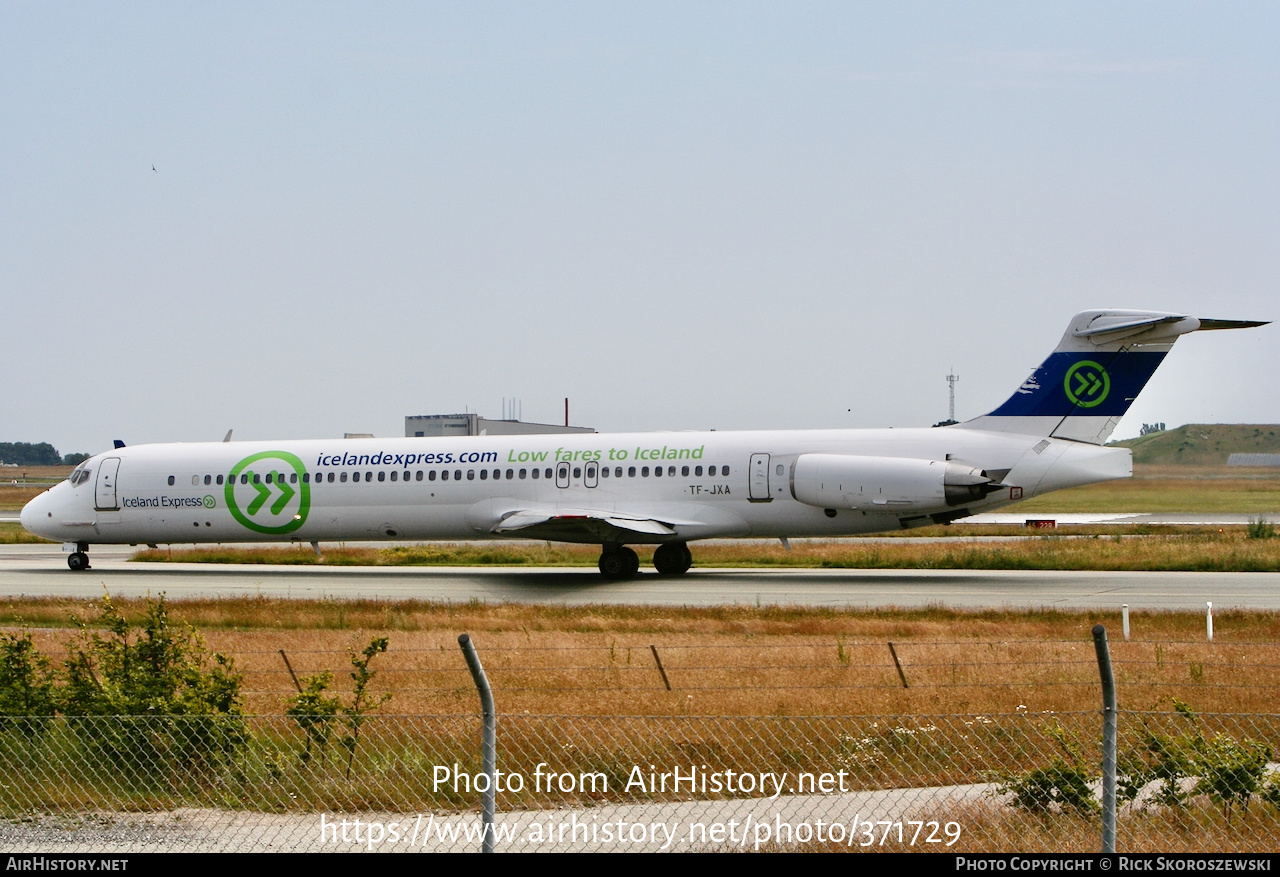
point(619, 563)
point(613, 565)
point(78, 560)
point(672, 558)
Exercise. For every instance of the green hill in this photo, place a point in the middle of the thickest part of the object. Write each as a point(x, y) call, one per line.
point(1203, 444)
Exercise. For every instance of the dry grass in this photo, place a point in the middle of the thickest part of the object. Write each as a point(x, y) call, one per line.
point(728, 661)
point(986, 689)
point(1208, 550)
point(1156, 489)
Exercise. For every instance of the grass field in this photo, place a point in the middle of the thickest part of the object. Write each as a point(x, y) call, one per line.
point(727, 661)
point(1208, 550)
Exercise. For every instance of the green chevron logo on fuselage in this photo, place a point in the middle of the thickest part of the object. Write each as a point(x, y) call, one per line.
point(267, 492)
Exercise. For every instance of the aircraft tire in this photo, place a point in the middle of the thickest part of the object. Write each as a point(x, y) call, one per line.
point(613, 565)
point(619, 563)
point(672, 558)
point(77, 561)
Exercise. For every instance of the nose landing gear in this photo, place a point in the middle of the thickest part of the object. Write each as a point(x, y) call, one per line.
point(79, 559)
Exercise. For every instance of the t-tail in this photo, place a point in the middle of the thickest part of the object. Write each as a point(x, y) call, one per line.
point(1098, 368)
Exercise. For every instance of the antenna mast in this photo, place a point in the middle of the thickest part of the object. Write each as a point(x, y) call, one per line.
point(951, 379)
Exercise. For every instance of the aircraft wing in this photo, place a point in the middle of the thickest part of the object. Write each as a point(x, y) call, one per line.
point(581, 525)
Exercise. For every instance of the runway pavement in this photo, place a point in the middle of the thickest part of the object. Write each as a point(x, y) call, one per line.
point(41, 570)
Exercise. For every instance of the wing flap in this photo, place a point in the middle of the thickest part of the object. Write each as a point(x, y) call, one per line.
point(573, 525)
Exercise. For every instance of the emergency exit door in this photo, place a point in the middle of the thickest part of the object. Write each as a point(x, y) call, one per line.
point(758, 491)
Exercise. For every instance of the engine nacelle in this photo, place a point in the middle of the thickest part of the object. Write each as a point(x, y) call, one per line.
point(886, 484)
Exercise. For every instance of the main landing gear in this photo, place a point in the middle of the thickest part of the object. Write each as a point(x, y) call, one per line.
point(669, 559)
point(672, 558)
point(618, 562)
point(79, 559)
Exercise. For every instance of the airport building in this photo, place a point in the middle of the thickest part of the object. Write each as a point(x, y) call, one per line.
point(473, 424)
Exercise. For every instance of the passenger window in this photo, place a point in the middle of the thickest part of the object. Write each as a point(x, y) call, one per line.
point(219, 479)
point(711, 470)
point(195, 480)
point(644, 471)
point(457, 474)
point(577, 471)
point(394, 474)
point(293, 477)
point(444, 475)
point(510, 473)
point(697, 470)
point(355, 476)
point(255, 480)
point(431, 476)
point(471, 474)
point(548, 472)
point(306, 478)
point(208, 479)
point(418, 475)
point(657, 471)
point(484, 474)
point(523, 473)
point(331, 478)
point(671, 471)
point(604, 471)
point(343, 477)
point(684, 470)
point(631, 471)
point(779, 469)
point(724, 471)
point(406, 476)
point(382, 476)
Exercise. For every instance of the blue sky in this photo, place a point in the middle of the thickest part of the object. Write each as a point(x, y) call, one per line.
point(679, 215)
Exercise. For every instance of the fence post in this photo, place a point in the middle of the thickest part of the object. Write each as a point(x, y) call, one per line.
point(1109, 731)
point(489, 744)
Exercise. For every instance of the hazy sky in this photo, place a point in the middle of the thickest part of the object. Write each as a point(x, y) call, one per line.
point(679, 215)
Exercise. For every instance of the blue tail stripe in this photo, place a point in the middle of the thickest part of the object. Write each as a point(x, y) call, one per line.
point(1097, 384)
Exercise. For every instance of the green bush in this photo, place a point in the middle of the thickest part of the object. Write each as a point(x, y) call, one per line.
point(183, 703)
point(1229, 772)
point(1063, 786)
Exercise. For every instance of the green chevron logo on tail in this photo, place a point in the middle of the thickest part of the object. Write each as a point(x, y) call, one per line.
point(1087, 384)
point(264, 498)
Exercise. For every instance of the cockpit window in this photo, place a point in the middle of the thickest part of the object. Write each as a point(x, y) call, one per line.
point(79, 475)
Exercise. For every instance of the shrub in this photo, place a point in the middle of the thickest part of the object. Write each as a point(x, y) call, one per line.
point(185, 703)
point(1062, 786)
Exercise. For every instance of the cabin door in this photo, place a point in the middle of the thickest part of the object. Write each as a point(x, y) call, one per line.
point(105, 495)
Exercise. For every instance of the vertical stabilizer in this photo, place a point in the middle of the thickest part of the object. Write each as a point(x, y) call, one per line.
point(1087, 384)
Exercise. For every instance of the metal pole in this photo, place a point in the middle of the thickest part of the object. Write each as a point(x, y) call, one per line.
point(489, 757)
point(1109, 731)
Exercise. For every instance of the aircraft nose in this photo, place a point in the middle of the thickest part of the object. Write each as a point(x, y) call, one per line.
point(35, 516)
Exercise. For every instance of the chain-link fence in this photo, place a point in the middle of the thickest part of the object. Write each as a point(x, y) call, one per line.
point(1009, 782)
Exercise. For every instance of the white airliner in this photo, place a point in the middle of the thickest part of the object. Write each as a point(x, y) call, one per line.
point(659, 488)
